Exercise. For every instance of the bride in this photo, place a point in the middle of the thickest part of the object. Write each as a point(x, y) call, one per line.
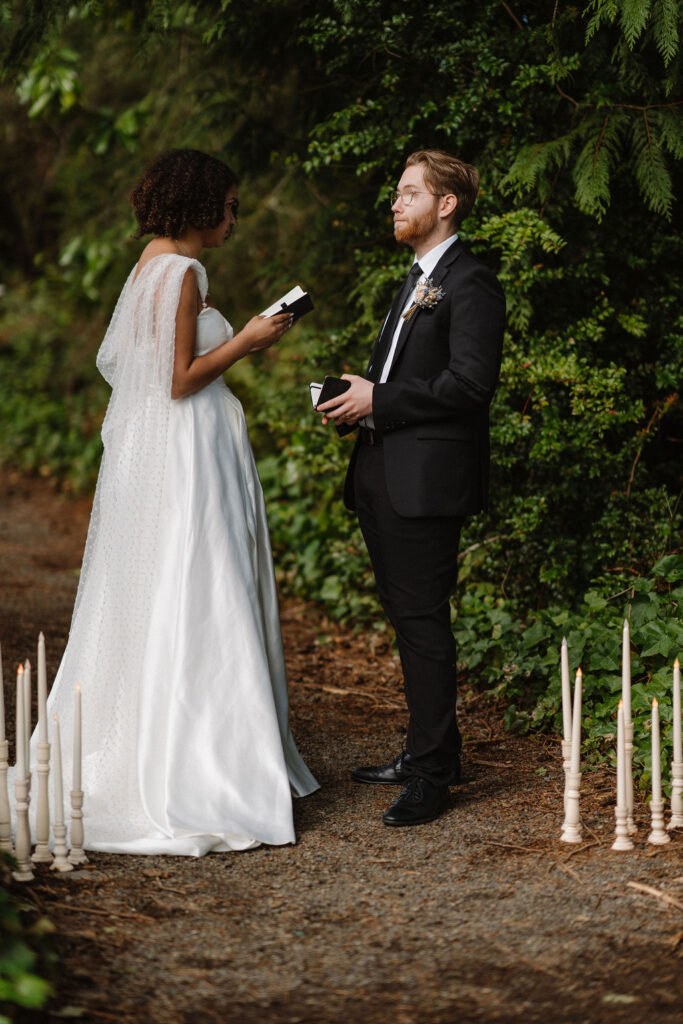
point(175, 636)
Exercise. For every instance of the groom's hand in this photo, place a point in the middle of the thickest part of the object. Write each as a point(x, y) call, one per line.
point(352, 405)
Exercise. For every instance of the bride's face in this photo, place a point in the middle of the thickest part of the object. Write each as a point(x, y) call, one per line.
point(212, 237)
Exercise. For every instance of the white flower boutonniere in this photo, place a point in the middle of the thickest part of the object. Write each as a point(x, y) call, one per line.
point(427, 295)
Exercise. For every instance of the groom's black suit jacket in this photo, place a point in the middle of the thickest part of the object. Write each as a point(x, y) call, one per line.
point(433, 411)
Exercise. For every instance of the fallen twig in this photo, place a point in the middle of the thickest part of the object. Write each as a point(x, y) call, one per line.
point(657, 893)
point(491, 764)
point(103, 1015)
point(347, 692)
point(512, 846)
point(570, 871)
point(580, 849)
point(106, 913)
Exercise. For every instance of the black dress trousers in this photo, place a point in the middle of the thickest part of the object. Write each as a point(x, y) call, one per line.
point(415, 562)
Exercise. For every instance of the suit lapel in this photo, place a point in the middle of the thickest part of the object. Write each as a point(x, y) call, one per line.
point(437, 277)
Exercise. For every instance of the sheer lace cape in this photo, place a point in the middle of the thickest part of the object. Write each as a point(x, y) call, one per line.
point(120, 564)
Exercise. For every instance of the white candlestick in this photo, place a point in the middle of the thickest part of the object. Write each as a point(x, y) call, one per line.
point(576, 724)
point(2, 702)
point(57, 763)
point(60, 862)
point(677, 763)
point(622, 839)
point(566, 691)
point(571, 829)
point(626, 671)
point(657, 836)
point(628, 725)
point(42, 691)
point(77, 739)
point(5, 816)
point(20, 731)
point(656, 756)
point(678, 744)
point(621, 775)
point(27, 716)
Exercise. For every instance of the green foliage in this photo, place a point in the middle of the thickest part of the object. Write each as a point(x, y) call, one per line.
point(25, 956)
point(617, 118)
point(50, 404)
point(519, 658)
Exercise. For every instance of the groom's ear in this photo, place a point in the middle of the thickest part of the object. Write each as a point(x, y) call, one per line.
point(449, 205)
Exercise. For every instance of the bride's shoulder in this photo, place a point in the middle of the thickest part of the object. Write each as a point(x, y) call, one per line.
point(163, 247)
point(157, 247)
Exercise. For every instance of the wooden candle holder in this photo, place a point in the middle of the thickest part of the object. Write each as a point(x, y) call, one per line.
point(23, 837)
point(60, 862)
point(571, 830)
point(658, 836)
point(77, 855)
point(41, 854)
point(676, 795)
point(5, 814)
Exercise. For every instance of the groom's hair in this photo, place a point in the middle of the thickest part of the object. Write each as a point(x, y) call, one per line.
point(448, 175)
point(182, 188)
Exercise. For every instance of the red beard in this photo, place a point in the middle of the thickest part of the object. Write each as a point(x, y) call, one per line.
point(415, 226)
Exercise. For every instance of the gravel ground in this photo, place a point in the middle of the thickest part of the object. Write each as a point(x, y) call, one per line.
point(481, 916)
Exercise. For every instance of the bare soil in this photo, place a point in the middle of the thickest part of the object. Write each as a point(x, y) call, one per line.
point(481, 916)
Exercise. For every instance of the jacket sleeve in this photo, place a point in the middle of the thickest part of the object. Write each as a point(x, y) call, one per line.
point(467, 384)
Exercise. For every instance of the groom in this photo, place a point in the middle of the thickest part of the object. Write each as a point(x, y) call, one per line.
point(420, 464)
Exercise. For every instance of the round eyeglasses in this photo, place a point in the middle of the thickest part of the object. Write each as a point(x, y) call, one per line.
point(408, 197)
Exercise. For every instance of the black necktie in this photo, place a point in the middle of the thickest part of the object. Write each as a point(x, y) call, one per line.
point(381, 352)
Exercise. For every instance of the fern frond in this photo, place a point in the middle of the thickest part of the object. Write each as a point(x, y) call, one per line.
point(649, 165)
point(605, 10)
point(665, 19)
point(533, 161)
point(594, 164)
point(670, 127)
point(635, 15)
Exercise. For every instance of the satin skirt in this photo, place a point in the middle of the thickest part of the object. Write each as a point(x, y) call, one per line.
point(193, 752)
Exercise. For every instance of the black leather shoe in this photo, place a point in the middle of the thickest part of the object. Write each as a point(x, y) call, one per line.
point(396, 773)
point(420, 801)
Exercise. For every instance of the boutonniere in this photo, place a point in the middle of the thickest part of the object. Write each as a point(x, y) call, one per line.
point(427, 295)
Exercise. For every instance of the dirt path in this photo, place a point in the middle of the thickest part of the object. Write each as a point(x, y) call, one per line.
point(482, 916)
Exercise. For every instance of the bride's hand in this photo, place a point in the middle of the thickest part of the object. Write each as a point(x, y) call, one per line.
point(261, 332)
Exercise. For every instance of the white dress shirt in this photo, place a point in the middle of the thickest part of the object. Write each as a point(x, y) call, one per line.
point(428, 262)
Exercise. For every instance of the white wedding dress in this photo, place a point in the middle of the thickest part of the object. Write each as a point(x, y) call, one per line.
point(176, 637)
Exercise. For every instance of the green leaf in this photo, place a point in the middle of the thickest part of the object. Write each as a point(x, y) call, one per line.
point(669, 568)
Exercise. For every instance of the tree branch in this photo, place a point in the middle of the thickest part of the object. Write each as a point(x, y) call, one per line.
point(657, 415)
point(566, 96)
point(512, 15)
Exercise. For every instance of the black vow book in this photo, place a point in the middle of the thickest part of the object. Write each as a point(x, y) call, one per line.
point(330, 388)
point(297, 302)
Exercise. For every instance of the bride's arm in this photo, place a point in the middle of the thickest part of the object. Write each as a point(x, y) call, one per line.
point(192, 373)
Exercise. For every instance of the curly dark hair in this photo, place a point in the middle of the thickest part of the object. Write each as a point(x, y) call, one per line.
point(182, 188)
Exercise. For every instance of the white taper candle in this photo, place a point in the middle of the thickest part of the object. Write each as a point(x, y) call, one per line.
point(21, 731)
point(576, 723)
point(626, 671)
point(57, 766)
point(42, 691)
point(621, 757)
point(678, 743)
point(656, 759)
point(566, 691)
point(2, 702)
point(77, 739)
point(27, 715)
